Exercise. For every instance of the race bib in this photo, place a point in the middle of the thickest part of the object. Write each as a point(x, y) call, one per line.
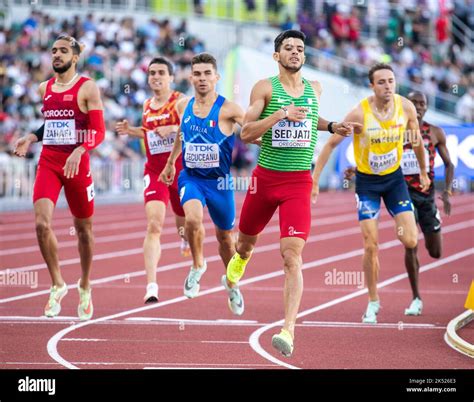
point(158, 145)
point(380, 162)
point(292, 134)
point(410, 163)
point(59, 132)
point(201, 156)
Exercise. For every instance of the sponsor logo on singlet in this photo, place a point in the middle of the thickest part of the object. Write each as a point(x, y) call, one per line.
point(158, 118)
point(201, 156)
point(59, 132)
point(292, 134)
point(159, 145)
point(381, 162)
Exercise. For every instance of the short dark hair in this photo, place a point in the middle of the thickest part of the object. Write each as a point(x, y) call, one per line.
point(417, 93)
point(204, 58)
point(75, 45)
point(162, 60)
point(290, 33)
point(377, 67)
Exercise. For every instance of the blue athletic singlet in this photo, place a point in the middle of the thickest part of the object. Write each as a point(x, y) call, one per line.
point(207, 152)
point(207, 156)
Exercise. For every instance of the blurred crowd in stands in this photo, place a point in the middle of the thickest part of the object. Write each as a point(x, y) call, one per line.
point(416, 37)
point(429, 44)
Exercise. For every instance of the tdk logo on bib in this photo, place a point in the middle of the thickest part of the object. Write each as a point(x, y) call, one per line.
point(201, 156)
point(292, 134)
point(201, 148)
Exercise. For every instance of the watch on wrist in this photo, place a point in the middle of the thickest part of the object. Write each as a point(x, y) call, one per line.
point(330, 129)
point(285, 109)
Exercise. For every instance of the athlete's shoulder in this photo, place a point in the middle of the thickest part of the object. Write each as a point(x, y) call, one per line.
point(407, 105)
point(42, 87)
point(316, 86)
point(232, 108)
point(263, 85)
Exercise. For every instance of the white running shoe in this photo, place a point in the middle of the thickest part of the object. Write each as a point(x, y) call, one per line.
point(53, 306)
point(235, 299)
point(370, 316)
point(416, 307)
point(151, 295)
point(85, 309)
point(191, 284)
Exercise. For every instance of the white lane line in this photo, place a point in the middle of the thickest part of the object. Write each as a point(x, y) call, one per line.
point(130, 223)
point(163, 364)
point(53, 341)
point(209, 225)
point(396, 325)
point(85, 340)
point(37, 318)
point(190, 321)
point(224, 342)
point(134, 235)
point(141, 272)
point(258, 249)
point(254, 338)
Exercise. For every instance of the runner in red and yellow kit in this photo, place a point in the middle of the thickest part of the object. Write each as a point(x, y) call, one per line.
point(73, 124)
point(160, 123)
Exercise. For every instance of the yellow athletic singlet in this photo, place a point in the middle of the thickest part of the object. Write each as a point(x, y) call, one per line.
point(378, 149)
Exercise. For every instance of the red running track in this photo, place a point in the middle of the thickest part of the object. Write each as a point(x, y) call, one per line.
point(203, 333)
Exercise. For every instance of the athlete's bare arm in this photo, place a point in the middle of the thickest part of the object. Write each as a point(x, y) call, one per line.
point(345, 128)
point(414, 136)
point(124, 128)
point(230, 115)
point(169, 171)
point(439, 139)
point(260, 97)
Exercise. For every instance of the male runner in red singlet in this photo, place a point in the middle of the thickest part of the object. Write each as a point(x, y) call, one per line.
point(160, 124)
point(73, 125)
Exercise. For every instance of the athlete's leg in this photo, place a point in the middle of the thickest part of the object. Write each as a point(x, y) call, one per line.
point(434, 244)
point(291, 249)
point(85, 245)
point(155, 215)
point(47, 241)
point(194, 230)
point(226, 242)
point(370, 260)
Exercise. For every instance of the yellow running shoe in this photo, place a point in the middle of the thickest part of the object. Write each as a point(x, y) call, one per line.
point(85, 309)
point(236, 268)
point(283, 342)
point(53, 306)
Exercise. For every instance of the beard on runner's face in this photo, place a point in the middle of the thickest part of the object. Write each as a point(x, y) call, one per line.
point(62, 69)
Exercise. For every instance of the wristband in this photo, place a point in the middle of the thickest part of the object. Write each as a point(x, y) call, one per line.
point(330, 127)
point(39, 133)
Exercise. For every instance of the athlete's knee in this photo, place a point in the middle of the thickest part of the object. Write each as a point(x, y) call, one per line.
point(193, 222)
point(154, 226)
point(409, 241)
point(371, 246)
point(84, 233)
point(225, 239)
point(292, 260)
point(43, 226)
point(245, 246)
